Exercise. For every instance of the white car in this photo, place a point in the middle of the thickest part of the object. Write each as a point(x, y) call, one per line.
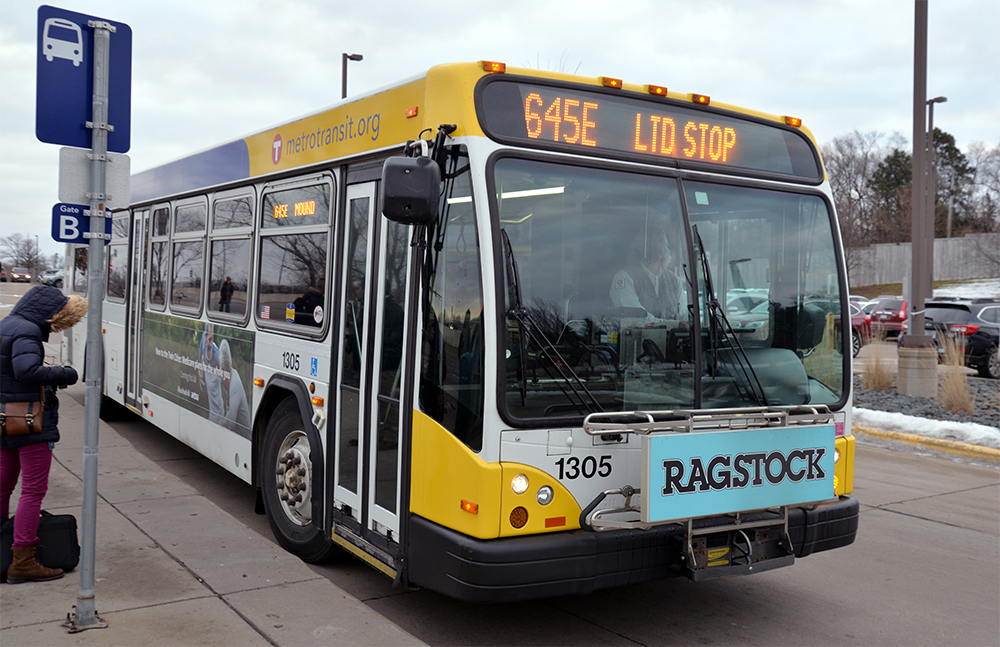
point(52, 277)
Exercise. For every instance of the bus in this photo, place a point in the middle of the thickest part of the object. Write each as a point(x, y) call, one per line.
point(502, 333)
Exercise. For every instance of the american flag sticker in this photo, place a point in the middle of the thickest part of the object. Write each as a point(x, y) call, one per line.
point(265, 312)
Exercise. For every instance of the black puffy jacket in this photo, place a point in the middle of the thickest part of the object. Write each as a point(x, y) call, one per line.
point(22, 367)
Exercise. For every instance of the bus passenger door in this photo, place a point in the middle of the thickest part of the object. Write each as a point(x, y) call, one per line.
point(136, 305)
point(370, 374)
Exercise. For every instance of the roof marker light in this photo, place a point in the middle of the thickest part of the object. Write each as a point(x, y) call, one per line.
point(493, 67)
point(656, 90)
point(608, 82)
point(792, 121)
point(701, 99)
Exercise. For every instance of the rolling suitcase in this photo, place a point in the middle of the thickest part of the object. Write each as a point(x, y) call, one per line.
point(58, 544)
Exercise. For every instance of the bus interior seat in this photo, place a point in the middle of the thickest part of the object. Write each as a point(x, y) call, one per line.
point(779, 370)
point(811, 326)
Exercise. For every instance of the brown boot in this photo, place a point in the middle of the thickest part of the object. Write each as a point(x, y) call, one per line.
point(25, 567)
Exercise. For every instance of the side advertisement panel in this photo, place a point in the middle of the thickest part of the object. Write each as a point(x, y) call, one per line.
point(203, 367)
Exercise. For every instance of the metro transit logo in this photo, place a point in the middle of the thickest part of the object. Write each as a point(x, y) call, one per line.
point(276, 149)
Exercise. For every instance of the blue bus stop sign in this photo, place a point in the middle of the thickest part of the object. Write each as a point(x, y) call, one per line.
point(65, 80)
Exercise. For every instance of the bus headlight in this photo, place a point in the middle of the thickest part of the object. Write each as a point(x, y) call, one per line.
point(836, 456)
point(519, 484)
point(544, 496)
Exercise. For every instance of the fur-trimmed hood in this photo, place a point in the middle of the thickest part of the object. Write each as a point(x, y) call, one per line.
point(39, 305)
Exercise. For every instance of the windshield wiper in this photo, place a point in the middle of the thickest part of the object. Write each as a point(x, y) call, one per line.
point(716, 313)
point(527, 326)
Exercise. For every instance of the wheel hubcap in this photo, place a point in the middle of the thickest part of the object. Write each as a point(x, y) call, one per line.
point(293, 472)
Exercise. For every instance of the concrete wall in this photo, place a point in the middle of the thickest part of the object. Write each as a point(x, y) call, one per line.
point(976, 256)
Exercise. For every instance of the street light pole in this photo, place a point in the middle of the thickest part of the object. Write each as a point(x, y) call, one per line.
point(917, 367)
point(931, 171)
point(343, 77)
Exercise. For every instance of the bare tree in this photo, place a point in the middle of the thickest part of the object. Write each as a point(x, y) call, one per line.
point(20, 250)
point(851, 162)
point(986, 185)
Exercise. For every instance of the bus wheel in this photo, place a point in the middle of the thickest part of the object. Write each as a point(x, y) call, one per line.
point(288, 479)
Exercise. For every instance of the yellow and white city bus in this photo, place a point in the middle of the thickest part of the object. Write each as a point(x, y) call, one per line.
point(503, 333)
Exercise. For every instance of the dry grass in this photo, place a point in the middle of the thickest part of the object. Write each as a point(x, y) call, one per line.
point(953, 391)
point(826, 363)
point(878, 374)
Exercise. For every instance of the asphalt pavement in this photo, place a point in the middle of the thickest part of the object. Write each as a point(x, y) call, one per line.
point(172, 568)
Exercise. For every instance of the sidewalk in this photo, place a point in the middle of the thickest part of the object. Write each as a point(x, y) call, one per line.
point(174, 569)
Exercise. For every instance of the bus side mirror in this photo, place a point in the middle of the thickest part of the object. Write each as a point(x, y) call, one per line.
point(411, 188)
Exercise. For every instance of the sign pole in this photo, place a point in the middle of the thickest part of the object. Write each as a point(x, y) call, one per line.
point(86, 616)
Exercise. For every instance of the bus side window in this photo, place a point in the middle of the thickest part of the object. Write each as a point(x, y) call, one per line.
point(452, 383)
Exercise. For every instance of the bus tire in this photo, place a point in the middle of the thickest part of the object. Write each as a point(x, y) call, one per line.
point(110, 410)
point(288, 480)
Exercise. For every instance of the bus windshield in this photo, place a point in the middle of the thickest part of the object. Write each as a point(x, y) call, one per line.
point(607, 302)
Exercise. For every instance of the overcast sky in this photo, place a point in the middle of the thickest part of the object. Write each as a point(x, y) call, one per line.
point(210, 71)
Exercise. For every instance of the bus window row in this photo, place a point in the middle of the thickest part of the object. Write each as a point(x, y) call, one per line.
point(200, 258)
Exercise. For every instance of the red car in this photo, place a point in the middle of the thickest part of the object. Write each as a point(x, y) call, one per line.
point(888, 317)
point(861, 329)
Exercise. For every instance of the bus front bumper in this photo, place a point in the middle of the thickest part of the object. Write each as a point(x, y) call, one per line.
point(579, 562)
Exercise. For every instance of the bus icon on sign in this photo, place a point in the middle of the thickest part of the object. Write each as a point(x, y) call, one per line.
point(62, 39)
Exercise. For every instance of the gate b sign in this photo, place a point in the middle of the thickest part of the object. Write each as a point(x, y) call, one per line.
point(69, 224)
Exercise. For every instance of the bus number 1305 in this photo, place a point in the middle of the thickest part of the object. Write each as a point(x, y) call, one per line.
point(573, 467)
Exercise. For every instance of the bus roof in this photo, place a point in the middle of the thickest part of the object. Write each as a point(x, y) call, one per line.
point(383, 119)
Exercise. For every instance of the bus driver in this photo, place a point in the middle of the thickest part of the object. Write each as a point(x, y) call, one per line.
point(648, 280)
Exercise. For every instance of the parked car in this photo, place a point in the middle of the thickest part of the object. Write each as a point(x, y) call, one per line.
point(868, 306)
point(974, 323)
point(3, 274)
point(52, 277)
point(20, 274)
point(861, 329)
point(740, 301)
point(888, 316)
point(857, 299)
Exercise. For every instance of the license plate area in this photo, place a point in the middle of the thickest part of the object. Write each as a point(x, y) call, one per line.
point(737, 552)
point(702, 474)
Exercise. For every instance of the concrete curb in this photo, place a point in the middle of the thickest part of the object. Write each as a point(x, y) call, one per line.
point(941, 444)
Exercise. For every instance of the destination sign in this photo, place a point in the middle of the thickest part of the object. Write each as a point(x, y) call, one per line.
point(306, 208)
point(595, 122)
point(309, 205)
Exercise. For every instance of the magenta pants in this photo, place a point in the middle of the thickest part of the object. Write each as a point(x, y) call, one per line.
point(31, 463)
